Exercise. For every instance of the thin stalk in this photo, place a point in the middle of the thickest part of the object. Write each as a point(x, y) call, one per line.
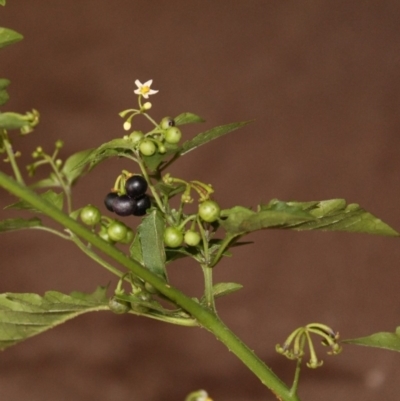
point(295, 385)
point(11, 158)
point(66, 189)
point(92, 255)
point(204, 316)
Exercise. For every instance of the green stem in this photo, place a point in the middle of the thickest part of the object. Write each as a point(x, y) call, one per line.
point(295, 385)
point(149, 183)
point(95, 257)
point(208, 287)
point(204, 316)
point(66, 189)
point(11, 158)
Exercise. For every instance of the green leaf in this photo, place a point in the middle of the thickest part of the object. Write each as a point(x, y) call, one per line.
point(26, 315)
point(188, 118)
point(50, 196)
point(210, 135)
point(335, 215)
point(151, 232)
point(51, 181)
point(135, 250)
point(8, 37)
point(329, 215)
point(73, 167)
point(389, 341)
point(19, 224)
point(3, 92)
point(222, 289)
point(10, 120)
point(240, 220)
point(170, 190)
point(2, 2)
point(116, 147)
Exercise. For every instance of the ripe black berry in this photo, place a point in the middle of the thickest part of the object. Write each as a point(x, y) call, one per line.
point(135, 186)
point(142, 204)
point(124, 205)
point(108, 200)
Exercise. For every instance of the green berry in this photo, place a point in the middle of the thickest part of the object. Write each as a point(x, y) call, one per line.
point(147, 147)
point(90, 215)
point(136, 136)
point(209, 211)
point(173, 237)
point(117, 231)
point(117, 306)
point(173, 135)
point(167, 122)
point(192, 238)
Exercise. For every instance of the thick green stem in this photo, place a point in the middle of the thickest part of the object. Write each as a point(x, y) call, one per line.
point(208, 286)
point(204, 316)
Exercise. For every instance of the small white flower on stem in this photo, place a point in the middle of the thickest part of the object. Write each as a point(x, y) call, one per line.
point(144, 89)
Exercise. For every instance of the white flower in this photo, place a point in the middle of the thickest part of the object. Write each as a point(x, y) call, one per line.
point(144, 89)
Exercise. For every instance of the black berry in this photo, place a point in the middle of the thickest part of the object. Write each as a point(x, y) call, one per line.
point(135, 186)
point(124, 205)
point(142, 204)
point(108, 200)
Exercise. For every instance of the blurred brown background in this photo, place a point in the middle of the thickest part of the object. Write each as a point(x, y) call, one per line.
point(321, 80)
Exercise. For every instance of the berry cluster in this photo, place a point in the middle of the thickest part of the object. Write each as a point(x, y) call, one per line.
point(110, 230)
point(165, 134)
point(209, 212)
point(133, 202)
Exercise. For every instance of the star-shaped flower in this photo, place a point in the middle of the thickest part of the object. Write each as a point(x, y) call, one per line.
point(144, 89)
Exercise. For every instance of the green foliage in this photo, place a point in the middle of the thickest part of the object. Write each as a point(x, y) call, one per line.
point(207, 136)
point(26, 315)
point(8, 37)
point(3, 92)
point(49, 196)
point(328, 215)
point(151, 233)
point(187, 118)
point(389, 341)
point(19, 224)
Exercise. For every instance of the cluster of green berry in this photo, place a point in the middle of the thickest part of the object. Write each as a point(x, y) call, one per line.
point(175, 236)
point(148, 144)
point(133, 200)
point(110, 230)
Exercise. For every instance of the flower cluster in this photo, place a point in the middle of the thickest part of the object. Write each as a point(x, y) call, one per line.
point(293, 347)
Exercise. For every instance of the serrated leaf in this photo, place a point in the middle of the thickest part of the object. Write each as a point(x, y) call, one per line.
point(73, 168)
point(151, 232)
point(19, 224)
point(210, 135)
point(188, 118)
point(3, 92)
point(8, 37)
point(222, 289)
point(389, 341)
point(336, 215)
point(26, 315)
point(50, 196)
